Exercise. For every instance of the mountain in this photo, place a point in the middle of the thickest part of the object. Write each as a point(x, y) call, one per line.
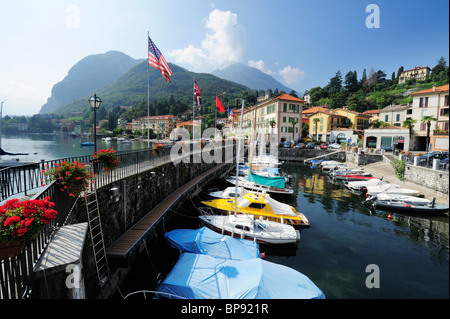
point(86, 76)
point(131, 89)
point(251, 77)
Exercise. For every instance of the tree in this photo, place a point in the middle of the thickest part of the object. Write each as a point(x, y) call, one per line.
point(335, 84)
point(427, 119)
point(409, 124)
point(351, 82)
point(293, 123)
point(316, 121)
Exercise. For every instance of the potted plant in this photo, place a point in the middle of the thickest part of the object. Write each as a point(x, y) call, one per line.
point(71, 177)
point(108, 158)
point(21, 221)
point(157, 148)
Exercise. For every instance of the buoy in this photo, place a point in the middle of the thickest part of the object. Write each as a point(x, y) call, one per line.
point(263, 255)
point(389, 216)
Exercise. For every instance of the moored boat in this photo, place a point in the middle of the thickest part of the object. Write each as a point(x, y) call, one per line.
point(408, 204)
point(261, 205)
point(247, 227)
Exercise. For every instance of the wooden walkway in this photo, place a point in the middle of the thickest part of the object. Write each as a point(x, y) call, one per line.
point(125, 244)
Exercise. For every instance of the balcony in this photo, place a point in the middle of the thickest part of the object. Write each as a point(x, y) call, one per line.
point(441, 132)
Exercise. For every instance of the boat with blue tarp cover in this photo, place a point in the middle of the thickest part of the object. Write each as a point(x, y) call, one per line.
point(207, 242)
point(197, 276)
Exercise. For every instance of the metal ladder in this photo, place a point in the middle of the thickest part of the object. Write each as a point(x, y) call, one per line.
point(98, 244)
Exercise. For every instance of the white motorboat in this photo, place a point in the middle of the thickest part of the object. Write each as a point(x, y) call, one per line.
point(407, 203)
point(388, 189)
point(327, 166)
point(247, 227)
point(229, 192)
point(255, 187)
point(357, 185)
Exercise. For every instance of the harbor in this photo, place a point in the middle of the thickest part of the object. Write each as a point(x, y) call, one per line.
point(343, 236)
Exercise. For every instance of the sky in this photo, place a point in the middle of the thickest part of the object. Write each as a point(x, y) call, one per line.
point(301, 43)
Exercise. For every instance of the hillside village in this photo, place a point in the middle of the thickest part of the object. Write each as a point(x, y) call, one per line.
point(405, 127)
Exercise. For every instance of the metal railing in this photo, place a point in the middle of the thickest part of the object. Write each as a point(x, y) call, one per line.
point(25, 179)
point(16, 273)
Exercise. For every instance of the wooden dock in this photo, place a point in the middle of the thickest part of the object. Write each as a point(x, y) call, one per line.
point(130, 241)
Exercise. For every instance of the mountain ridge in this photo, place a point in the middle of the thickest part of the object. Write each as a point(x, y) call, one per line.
point(250, 77)
point(85, 76)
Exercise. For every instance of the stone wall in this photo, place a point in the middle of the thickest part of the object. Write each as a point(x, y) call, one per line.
point(436, 180)
point(363, 159)
point(124, 202)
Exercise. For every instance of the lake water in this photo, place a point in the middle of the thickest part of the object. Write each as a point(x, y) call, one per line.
point(410, 252)
point(55, 146)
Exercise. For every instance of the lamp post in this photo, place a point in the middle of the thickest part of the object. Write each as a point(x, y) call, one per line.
point(95, 102)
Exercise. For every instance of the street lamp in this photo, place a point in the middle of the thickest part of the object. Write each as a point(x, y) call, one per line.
point(95, 102)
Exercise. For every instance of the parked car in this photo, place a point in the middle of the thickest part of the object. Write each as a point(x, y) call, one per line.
point(334, 146)
point(309, 145)
point(300, 145)
point(323, 146)
point(287, 144)
point(429, 157)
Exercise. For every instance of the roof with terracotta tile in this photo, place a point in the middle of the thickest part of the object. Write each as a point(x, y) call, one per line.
point(441, 88)
point(287, 97)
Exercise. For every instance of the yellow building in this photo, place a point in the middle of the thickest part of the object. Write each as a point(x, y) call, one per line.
point(359, 121)
point(418, 73)
point(160, 124)
point(326, 122)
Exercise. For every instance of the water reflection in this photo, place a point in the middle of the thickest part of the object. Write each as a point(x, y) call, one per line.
point(316, 187)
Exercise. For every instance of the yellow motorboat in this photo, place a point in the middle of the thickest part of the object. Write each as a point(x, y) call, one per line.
point(261, 205)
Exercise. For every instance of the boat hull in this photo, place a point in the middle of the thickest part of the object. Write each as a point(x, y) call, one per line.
point(238, 233)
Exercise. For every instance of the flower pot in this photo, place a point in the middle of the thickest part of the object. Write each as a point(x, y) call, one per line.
point(11, 248)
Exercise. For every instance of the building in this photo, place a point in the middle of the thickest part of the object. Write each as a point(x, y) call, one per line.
point(374, 115)
point(431, 102)
point(360, 121)
point(395, 114)
point(418, 73)
point(273, 116)
point(160, 124)
point(330, 120)
point(327, 121)
point(387, 138)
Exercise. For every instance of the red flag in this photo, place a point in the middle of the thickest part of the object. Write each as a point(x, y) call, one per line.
point(219, 105)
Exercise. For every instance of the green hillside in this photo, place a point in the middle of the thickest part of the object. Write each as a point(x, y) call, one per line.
point(374, 90)
point(174, 98)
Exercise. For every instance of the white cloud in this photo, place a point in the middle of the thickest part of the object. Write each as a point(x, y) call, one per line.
point(224, 44)
point(261, 66)
point(291, 75)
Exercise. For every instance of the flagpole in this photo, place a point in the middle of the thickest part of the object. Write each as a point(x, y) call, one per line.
point(148, 96)
point(193, 108)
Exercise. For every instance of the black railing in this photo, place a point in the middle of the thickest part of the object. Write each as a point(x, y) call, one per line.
point(28, 178)
point(16, 273)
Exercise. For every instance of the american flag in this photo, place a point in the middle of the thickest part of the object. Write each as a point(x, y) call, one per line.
point(197, 95)
point(156, 59)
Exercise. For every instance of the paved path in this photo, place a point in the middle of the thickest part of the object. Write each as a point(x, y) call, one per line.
point(385, 170)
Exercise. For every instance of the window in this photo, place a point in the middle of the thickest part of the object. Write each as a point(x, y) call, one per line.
point(321, 128)
point(284, 119)
point(284, 107)
point(423, 102)
point(446, 103)
point(397, 118)
point(257, 205)
point(409, 111)
point(386, 118)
